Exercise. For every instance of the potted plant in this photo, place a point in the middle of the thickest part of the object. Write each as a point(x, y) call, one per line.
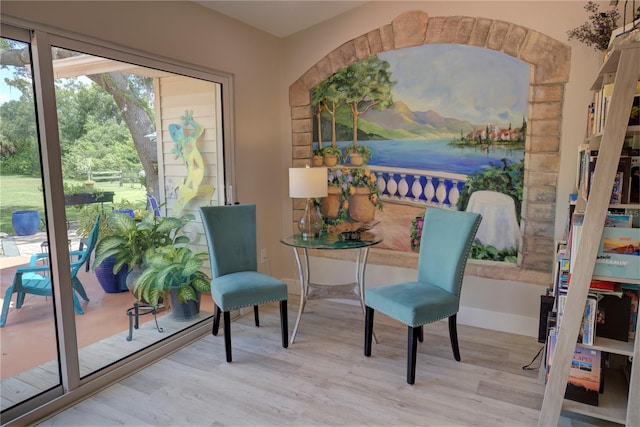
point(358, 154)
point(172, 274)
point(130, 238)
point(363, 195)
point(317, 158)
point(596, 32)
point(332, 155)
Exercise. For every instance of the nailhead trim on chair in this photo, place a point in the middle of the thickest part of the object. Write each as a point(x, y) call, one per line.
point(258, 303)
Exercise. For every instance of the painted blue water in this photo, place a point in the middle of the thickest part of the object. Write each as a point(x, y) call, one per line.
point(434, 155)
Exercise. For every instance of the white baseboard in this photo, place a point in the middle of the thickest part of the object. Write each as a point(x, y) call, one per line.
point(498, 321)
point(486, 319)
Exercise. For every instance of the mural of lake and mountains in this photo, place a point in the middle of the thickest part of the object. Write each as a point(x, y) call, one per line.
point(440, 118)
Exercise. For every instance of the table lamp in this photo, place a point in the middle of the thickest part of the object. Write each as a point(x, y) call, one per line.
point(308, 183)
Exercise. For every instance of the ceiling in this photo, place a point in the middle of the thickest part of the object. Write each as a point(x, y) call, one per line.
point(281, 18)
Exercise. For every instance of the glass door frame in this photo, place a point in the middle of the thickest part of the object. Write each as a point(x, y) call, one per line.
point(73, 388)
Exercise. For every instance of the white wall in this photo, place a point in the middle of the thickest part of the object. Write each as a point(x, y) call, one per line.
point(264, 67)
point(495, 304)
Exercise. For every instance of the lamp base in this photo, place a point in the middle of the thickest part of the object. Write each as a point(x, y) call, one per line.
point(310, 224)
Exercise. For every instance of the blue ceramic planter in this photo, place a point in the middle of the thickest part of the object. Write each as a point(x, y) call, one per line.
point(111, 283)
point(25, 223)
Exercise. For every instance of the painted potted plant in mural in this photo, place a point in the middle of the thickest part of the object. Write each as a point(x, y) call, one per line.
point(363, 196)
point(172, 274)
point(353, 196)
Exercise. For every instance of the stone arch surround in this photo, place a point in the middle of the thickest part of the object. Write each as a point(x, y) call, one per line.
point(549, 60)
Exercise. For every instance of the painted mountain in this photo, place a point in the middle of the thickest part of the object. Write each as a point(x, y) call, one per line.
point(399, 122)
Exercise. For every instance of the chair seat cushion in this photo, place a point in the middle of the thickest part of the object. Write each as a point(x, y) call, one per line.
point(412, 303)
point(246, 288)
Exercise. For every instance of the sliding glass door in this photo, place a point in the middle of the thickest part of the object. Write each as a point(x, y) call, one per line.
point(27, 324)
point(104, 122)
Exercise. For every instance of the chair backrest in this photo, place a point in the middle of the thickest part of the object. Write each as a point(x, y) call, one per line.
point(231, 238)
point(91, 244)
point(444, 247)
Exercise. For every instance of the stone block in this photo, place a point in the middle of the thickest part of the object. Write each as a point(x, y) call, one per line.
point(361, 45)
point(537, 178)
point(409, 29)
point(303, 138)
point(465, 28)
point(544, 144)
point(538, 228)
point(547, 93)
point(497, 35)
point(301, 112)
point(301, 152)
point(552, 57)
point(543, 162)
point(515, 40)
point(545, 110)
point(386, 36)
point(539, 194)
point(545, 127)
point(302, 125)
point(540, 211)
point(299, 94)
point(480, 32)
point(375, 42)
point(434, 28)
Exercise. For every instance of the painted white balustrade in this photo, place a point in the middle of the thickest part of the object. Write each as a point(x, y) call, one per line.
point(419, 187)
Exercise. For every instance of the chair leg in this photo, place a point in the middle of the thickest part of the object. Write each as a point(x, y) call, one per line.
point(77, 285)
point(20, 299)
point(412, 350)
point(216, 320)
point(5, 305)
point(368, 329)
point(284, 323)
point(421, 334)
point(256, 316)
point(453, 335)
point(227, 335)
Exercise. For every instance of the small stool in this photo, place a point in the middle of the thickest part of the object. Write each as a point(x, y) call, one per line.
point(140, 310)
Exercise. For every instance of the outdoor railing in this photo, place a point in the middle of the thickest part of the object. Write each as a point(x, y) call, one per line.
point(419, 187)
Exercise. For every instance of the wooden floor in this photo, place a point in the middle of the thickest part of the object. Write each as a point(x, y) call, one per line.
point(324, 379)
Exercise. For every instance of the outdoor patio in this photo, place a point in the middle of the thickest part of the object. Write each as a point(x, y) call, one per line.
point(28, 338)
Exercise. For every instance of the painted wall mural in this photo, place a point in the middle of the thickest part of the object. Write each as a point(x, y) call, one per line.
point(432, 125)
point(186, 148)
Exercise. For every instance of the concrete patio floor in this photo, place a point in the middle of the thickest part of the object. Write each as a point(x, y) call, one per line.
point(28, 337)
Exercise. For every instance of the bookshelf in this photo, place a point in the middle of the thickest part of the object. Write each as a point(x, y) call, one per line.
point(621, 70)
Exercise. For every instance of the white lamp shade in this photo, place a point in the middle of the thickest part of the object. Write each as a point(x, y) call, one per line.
point(307, 182)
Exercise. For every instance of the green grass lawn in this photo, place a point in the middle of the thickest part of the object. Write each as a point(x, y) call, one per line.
point(23, 193)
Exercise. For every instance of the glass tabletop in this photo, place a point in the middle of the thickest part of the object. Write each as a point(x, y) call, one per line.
point(332, 241)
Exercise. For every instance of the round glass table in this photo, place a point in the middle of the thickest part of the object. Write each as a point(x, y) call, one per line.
point(309, 290)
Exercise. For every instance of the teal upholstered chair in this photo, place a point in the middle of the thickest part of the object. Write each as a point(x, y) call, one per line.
point(444, 248)
point(35, 280)
point(236, 283)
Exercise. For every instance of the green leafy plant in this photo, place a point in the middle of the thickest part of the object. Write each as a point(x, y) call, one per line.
point(130, 240)
point(507, 178)
point(332, 150)
point(172, 267)
point(596, 32)
point(360, 149)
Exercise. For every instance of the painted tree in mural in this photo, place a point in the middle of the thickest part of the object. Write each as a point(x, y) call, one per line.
point(367, 85)
point(131, 94)
point(329, 95)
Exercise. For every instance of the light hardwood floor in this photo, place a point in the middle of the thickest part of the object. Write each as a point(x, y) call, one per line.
point(324, 378)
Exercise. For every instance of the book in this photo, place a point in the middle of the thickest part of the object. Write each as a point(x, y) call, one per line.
point(619, 253)
point(585, 374)
point(634, 297)
point(612, 320)
point(588, 324)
